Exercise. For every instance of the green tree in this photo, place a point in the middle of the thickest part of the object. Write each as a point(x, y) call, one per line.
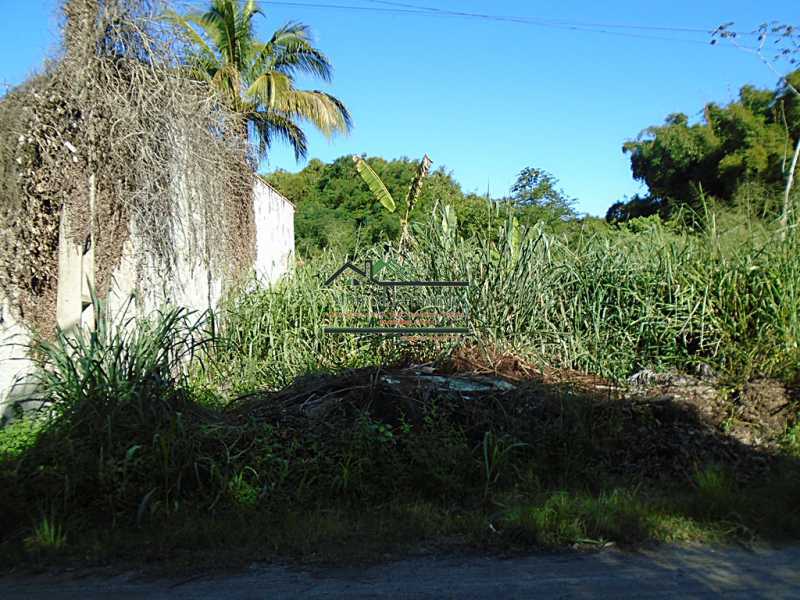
point(257, 79)
point(684, 164)
point(476, 215)
point(536, 194)
point(336, 210)
point(636, 207)
point(784, 45)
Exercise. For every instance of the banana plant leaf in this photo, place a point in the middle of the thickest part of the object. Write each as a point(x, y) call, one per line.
point(416, 185)
point(375, 184)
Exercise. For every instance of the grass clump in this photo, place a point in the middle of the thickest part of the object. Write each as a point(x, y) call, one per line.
point(623, 516)
point(47, 536)
point(116, 434)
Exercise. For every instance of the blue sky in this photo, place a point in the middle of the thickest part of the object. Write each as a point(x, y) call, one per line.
point(486, 98)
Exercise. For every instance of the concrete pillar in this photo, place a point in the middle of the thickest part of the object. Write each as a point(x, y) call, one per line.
point(76, 272)
point(87, 263)
point(70, 269)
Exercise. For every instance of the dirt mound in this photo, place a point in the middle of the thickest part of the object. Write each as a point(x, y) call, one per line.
point(659, 430)
point(756, 414)
point(390, 395)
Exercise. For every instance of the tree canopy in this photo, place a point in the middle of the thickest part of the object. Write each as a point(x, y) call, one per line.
point(336, 209)
point(537, 191)
point(745, 141)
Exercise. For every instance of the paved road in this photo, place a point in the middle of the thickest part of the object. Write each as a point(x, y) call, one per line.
point(672, 572)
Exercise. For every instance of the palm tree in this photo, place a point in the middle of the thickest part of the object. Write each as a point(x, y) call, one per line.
point(257, 79)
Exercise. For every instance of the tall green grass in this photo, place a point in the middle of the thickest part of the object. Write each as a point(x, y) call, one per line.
point(645, 295)
point(119, 413)
point(273, 334)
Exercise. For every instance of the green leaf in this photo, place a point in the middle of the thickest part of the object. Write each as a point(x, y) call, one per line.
point(375, 184)
point(448, 220)
point(514, 239)
point(379, 266)
point(131, 451)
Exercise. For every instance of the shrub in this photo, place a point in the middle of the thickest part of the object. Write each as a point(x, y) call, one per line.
point(119, 424)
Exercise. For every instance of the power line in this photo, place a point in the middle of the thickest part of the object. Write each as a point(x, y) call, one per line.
point(541, 20)
point(402, 8)
point(426, 11)
point(400, 4)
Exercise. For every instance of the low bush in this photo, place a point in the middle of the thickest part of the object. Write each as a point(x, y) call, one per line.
point(119, 428)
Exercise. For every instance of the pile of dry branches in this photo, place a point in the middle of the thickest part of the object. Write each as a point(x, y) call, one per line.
point(116, 118)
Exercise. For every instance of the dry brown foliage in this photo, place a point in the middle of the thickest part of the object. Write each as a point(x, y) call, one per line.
point(117, 111)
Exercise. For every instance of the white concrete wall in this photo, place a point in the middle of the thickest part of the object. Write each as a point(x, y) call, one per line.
point(274, 217)
point(188, 282)
point(192, 285)
point(14, 362)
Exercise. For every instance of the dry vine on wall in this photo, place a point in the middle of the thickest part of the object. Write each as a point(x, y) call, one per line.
point(116, 117)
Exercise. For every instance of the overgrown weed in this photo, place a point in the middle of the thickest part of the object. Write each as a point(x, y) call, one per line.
point(610, 303)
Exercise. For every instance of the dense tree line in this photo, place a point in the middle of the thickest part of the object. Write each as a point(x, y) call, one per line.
point(745, 143)
point(733, 154)
point(335, 209)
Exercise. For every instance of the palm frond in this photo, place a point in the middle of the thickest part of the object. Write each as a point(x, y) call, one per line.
point(185, 23)
point(268, 87)
point(226, 80)
point(269, 124)
point(212, 24)
point(290, 51)
point(324, 111)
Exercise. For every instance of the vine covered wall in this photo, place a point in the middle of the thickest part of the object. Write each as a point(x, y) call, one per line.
point(116, 135)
